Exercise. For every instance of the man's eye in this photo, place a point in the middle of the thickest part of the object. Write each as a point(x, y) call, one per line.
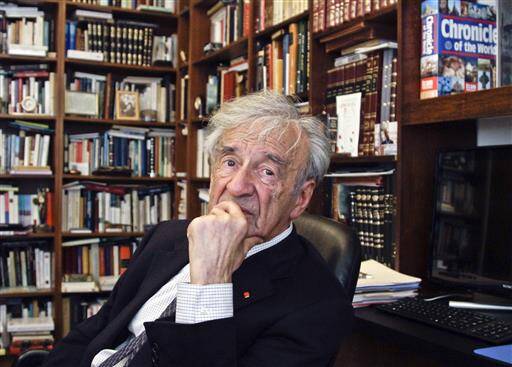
point(268, 172)
point(230, 163)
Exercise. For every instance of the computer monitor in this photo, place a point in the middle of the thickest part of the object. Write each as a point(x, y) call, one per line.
point(471, 243)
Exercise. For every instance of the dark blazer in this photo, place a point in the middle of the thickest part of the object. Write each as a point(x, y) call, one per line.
point(296, 313)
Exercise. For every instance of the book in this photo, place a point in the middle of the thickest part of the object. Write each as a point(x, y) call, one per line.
point(458, 50)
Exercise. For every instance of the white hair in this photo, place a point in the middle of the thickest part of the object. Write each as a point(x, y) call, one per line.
point(273, 111)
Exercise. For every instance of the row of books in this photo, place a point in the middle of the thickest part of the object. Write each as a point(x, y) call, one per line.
point(124, 150)
point(367, 204)
point(77, 308)
point(229, 22)
point(148, 99)
point(202, 158)
point(97, 207)
point(27, 91)
point(25, 31)
point(230, 81)
point(362, 89)
point(330, 13)
point(283, 64)
point(272, 12)
point(24, 210)
point(120, 41)
point(25, 265)
point(97, 258)
point(26, 325)
point(150, 5)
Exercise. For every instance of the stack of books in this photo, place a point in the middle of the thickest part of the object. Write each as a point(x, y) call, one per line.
point(361, 88)
point(379, 284)
point(283, 64)
point(366, 202)
point(330, 13)
point(167, 6)
point(25, 212)
point(272, 12)
point(230, 81)
point(97, 36)
point(25, 31)
point(25, 265)
point(102, 260)
point(204, 198)
point(229, 22)
point(30, 333)
point(27, 89)
point(97, 207)
point(77, 308)
point(122, 150)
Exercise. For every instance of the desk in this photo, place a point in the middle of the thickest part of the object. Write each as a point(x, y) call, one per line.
point(383, 340)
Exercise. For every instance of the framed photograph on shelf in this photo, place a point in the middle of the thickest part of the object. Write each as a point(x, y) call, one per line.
point(81, 103)
point(127, 105)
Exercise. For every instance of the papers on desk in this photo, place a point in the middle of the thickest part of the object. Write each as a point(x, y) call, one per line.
point(379, 284)
point(501, 353)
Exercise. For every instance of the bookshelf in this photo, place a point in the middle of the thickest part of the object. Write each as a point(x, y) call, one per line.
point(61, 11)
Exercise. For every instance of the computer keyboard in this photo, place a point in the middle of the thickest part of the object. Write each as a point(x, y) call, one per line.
point(439, 314)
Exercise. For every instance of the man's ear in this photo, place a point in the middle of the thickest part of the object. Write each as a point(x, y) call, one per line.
point(303, 198)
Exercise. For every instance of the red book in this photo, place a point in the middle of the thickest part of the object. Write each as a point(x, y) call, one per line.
point(31, 73)
point(49, 209)
point(247, 18)
point(125, 255)
point(228, 85)
point(102, 261)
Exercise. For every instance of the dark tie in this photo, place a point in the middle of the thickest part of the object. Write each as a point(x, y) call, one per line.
point(130, 349)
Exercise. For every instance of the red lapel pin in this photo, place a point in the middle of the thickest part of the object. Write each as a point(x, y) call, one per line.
point(247, 294)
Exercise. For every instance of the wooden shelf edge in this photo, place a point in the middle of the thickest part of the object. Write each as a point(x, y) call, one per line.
point(340, 159)
point(127, 67)
point(231, 51)
point(28, 293)
point(27, 116)
point(374, 16)
point(117, 178)
point(102, 234)
point(465, 106)
point(119, 10)
point(271, 29)
point(35, 59)
point(139, 123)
point(28, 236)
point(19, 177)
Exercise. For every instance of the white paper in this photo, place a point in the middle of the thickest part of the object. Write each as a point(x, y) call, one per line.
point(348, 109)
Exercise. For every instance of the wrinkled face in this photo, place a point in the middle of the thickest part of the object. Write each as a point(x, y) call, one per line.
point(259, 174)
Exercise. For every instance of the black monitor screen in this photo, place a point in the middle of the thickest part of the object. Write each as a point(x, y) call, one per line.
point(472, 228)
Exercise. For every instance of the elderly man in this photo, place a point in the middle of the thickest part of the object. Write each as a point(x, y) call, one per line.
point(236, 287)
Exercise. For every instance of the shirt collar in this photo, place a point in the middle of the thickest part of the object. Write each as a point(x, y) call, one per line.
point(271, 242)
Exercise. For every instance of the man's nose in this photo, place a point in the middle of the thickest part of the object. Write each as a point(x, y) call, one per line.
point(241, 183)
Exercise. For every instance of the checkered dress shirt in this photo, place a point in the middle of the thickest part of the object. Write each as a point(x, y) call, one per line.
point(194, 303)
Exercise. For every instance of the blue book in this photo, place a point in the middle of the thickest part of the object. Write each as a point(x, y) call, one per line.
point(72, 35)
point(286, 55)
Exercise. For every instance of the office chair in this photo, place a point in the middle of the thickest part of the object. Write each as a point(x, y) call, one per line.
point(338, 245)
point(31, 358)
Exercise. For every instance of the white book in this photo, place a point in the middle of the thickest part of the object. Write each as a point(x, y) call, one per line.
point(115, 253)
point(29, 324)
point(95, 77)
point(94, 256)
point(26, 50)
point(79, 287)
point(199, 153)
point(38, 268)
point(51, 110)
point(26, 152)
point(82, 13)
point(35, 156)
point(23, 261)
point(80, 242)
point(47, 263)
point(45, 151)
point(85, 55)
point(348, 109)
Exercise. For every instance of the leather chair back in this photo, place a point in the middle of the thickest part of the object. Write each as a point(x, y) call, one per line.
point(338, 245)
point(31, 358)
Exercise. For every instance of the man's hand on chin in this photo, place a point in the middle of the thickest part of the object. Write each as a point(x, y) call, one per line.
point(218, 244)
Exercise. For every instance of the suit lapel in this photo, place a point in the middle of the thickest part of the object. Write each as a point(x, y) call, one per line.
point(255, 279)
point(164, 265)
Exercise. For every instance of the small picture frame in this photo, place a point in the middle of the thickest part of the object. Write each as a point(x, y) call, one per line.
point(81, 103)
point(127, 105)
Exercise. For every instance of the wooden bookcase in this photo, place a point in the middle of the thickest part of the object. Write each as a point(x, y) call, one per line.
point(60, 11)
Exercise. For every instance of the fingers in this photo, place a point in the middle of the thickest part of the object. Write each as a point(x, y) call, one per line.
point(229, 207)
